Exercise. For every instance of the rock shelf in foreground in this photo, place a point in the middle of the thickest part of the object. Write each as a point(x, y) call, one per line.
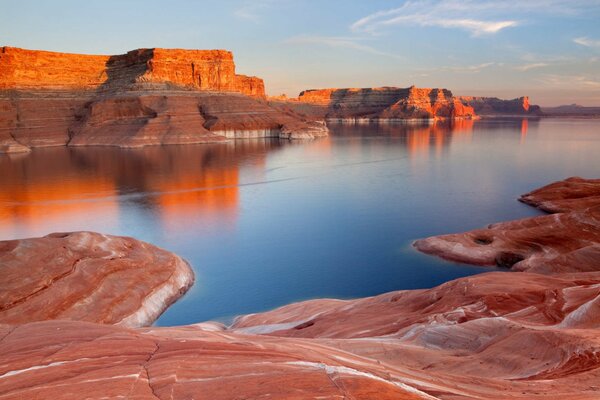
point(87, 276)
point(496, 335)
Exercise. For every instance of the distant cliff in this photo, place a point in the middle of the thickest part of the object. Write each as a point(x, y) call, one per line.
point(495, 106)
point(385, 103)
point(210, 70)
point(391, 103)
point(143, 97)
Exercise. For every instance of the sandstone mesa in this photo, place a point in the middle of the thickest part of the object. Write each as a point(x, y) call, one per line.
point(388, 104)
point(144, 97)
point(495, 335)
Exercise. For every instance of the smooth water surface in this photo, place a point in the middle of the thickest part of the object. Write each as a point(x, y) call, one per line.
point(268, 222)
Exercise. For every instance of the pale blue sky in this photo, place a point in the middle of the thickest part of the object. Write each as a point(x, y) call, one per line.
point(547, 49)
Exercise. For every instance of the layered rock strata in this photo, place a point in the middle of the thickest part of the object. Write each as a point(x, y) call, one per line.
point(87, 276)
point(387, 104)
point(144, 97)
point(493, 106)
point(378, 104)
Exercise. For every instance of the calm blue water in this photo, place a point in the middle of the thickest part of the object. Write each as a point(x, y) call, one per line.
point(268, 222)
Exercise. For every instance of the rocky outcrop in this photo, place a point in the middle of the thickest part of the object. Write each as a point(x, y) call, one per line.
point(493, 106)
point(566, 241)
point(144, 97)
point(212, 70)
point(97, 361)
point(389, 104)
point(87, 276)
point(378, 104)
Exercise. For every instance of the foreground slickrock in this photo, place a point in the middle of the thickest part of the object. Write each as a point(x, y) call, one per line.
point(567, 241)
point(497, 335)
point(87, 276)
point(144, 97)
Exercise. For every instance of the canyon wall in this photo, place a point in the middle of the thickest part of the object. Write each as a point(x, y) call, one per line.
point(143, 97)
point(391, 103)
point(385, 103)
point(210, 70)
point(491, 106)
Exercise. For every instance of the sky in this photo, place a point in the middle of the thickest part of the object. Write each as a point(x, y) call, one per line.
point(547, 49)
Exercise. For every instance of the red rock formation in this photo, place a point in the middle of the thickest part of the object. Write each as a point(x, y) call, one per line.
point(144, 97)
point(98, 361)
point(88, 277)
point(384, 103)
point(490, 106)
point(211, 70)
point(566, 241)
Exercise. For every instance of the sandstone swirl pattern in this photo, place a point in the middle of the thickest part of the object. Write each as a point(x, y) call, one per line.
point(522, 335)
point(87, 276)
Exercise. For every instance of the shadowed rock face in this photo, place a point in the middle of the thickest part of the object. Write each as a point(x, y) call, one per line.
point(87, 276)
point(490, 336)
point(492, 106)
point(144, 97)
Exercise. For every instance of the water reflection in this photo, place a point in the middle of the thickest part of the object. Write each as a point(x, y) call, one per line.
point(67, 186)
point(177, 186)
point(265, 223)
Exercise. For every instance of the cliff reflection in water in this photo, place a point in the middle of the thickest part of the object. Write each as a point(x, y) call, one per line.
point(172, 189)
point(79, 188)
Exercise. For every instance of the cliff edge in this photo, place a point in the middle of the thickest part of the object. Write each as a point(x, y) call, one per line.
point(144, 97)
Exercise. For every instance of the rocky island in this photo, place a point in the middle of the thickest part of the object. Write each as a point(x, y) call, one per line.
point(531, 334)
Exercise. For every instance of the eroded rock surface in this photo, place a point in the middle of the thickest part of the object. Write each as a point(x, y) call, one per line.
point(377, 104)
point(493, 106)
point(144, 97)
point(527, 335)
point(566, 241)
point(87, 276)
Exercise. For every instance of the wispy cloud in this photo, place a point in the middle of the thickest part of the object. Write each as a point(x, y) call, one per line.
point(479, 17)
point(445, 14)
point(527, 67)
point(578, 82)
point(587, 42)
point(339, 42)
point(252, 10)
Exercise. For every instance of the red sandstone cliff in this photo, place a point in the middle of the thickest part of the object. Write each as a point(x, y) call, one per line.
point(144, 97)
point(211, 70)
point(490, 106)
point(390, 103)
point(385, 103)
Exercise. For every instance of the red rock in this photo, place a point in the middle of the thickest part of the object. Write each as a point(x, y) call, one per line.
point(564, 196)
point(563, 242)
point(490, 336)
point(88, 277)
point(144, 97)
point(491, 106)
point(379, 104)
point(74, 360)
point(200, 69)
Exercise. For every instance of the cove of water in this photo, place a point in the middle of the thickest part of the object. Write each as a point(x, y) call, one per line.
point(267, 222)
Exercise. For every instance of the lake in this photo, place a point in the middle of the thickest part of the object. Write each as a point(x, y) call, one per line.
point(266, 222)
